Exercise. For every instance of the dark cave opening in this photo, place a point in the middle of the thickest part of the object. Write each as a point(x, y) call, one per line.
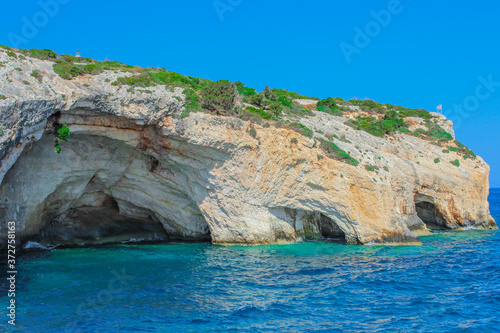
point(101, 222)
point(312, 225)
point(330, 231)
point(430, 215)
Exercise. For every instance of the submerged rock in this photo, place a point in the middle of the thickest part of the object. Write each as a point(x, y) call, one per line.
point(132, 168)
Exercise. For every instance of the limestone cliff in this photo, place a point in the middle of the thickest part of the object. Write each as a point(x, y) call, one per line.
point(134, 168)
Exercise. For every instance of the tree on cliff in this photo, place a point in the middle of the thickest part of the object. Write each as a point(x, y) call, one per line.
point(219, 96)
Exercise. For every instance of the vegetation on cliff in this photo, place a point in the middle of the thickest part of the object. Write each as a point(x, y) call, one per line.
point(271, 106)
point(62, 135)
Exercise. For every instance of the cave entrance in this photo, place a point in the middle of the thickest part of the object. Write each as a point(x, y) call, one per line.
point(312, 225)
point(100, 191)
point(430, 214)
point(330, 231)
point(97, 220)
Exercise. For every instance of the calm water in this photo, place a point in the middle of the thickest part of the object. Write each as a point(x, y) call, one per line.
point(450, 284)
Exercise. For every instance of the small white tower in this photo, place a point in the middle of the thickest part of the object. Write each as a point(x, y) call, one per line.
point(78, 54)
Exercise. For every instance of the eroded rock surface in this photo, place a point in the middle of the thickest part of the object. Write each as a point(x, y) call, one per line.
point(133, 168)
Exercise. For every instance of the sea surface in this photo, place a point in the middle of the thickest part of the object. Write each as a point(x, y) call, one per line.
point(450, 284)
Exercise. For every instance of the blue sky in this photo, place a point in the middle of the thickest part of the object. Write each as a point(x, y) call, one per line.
point(418, 54)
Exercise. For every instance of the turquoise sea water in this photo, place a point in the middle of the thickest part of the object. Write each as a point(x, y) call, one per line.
point(450, 284)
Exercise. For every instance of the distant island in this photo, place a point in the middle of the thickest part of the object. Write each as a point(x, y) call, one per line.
point(96, 152)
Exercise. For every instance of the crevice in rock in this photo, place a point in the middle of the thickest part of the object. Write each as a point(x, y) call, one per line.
point(154, 163)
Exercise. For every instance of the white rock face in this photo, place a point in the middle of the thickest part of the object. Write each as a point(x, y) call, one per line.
point(132, 168)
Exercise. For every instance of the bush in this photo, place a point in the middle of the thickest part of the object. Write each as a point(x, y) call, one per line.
point(162, 76)
point(191, 102)
point(335, 152)
point(455, 163)
point(287, 94)
point(37, 75)
point(44, 54)
point(469, 154)
point(329, 106)
point(370, 167)
point(462, 150)
point(2, 97)
point(371, 104)
point(255, 100)
point(284, 101)
point(437, 133)
point(62, 135)
point(421, 113)
point(252, 117)
point(263, 114)
point(302, 130)
point(294, 141)
point(142, 80)
point(268, 93)
point(437, 160)
point(276, 108)
point(68, 70)
point(252, 132)
point(380, 127)
point(326, 103)
point(245, 91)
point(219, 96)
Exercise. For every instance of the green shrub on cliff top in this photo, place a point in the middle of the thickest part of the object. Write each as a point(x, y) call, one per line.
point(330, 106)
point(256, 100)
point(245, 91)
point(437, 133)
point(326, 103)
point(154, 77)
point(191, 102)
point(219, 96)
point(380, 127)
point(288, 94)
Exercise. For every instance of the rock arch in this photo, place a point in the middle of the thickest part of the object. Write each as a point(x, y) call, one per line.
point(100, 190)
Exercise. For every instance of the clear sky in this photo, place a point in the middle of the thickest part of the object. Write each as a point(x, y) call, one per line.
point(418, 53)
